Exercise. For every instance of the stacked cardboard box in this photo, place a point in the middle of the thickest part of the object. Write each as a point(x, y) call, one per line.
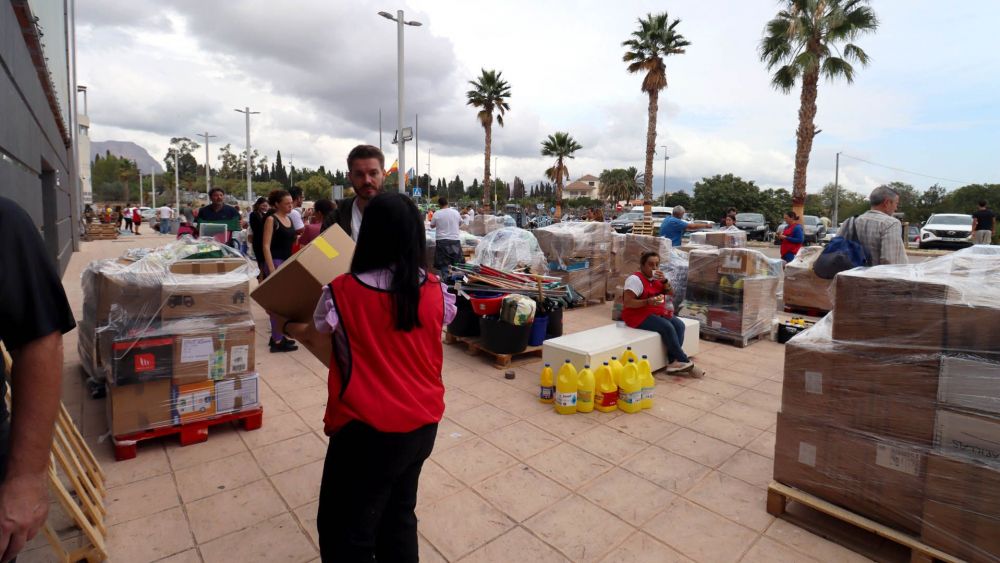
point(625, 261)
point(893, 412)
point(485, 224)
point(732, 292)
point(720, 239)
point(579, 253)
point(803, 288)
point(163, 330)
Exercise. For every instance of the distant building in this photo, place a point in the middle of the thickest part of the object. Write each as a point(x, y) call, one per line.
point(586, 186)
point(38, 160)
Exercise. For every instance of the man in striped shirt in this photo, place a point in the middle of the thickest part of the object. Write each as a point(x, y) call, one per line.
point(880, 232)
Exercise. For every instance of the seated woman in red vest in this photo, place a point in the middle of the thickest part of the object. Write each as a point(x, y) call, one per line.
point(646, 307)
point(386, 395)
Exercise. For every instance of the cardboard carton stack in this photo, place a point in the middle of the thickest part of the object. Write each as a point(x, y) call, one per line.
point(732, 292)
point(625, 260)
point(891, 404)
point(720, 239)
point(485, 224)
point(579, 253)
point(170, 334)
point(803, 288)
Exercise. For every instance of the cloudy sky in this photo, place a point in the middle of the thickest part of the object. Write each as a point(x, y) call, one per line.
point(319, 71)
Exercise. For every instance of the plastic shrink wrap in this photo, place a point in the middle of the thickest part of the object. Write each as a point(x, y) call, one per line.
point(803, 288)
point(169, 332)
point(891, 404)
point(510, 248)
point(579, 253)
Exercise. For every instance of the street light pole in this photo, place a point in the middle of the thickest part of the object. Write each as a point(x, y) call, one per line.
point(248, 113)
point(152, 177)
point(177, 186)
point(400, 90)
point(140, 188)
point(665, 159)
point(836, 191)
point(208, 178)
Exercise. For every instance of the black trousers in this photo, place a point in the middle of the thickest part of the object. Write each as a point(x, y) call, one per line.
point(369, 492)
point(446, 254)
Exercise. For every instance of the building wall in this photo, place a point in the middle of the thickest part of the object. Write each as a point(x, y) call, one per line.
point(36, 166)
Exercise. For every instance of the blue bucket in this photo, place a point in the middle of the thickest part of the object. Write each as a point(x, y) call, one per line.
point(538, 329)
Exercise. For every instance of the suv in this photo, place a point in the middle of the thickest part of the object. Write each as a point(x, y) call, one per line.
point(754, 224)
point(813, 228)
point(946, 229)
point(623, 223)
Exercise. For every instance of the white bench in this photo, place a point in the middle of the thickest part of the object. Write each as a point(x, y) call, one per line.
point(597, 345)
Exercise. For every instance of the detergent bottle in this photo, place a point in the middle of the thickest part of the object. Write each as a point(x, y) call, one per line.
point(586, 384)
point(566, 389)
point(628, 355)
point(606, 395)
point(547, 385)
point(647, 381)
point(616, 370)
point(630, 392)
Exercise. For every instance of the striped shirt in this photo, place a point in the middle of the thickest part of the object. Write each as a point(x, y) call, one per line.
point(882, 235)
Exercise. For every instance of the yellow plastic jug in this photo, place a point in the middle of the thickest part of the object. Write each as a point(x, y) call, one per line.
point(566, 389)
point(547, 385)
point(616, 370)
point(630, 392)
point(606, 394)
point(647, 381)
point(585, 390)
point(629, 355)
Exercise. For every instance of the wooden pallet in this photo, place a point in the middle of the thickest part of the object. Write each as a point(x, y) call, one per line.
point(190, 433)
point(738, 341)
point(643, 228)
point(778, 496)
point(501, 361)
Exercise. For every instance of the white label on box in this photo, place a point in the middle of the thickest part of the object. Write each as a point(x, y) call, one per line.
point(716, 324)
point(196, 349)
point(969, 383)
point(973, 436)
point(807, 454)
point(227, 394)
point(814, 382)
point(898, 459)
point(238, 359)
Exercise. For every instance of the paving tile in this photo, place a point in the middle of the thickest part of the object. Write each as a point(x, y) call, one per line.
point(215, 476)
point(699, 447)
point(306, 515)
point(522, 439)
point(150, 462)
point(737, 433)
point(458, 376)
point(276, 429)
point(461, 523)
point(579, 529)
point(524, 405)
point(300, 486)
point(520, 492)
point(694, 398)
point(313, 416)
point(234, 510)
point(810, 544)
point(627, 496)
point(435, 483)
point(643, 426)
point(738, 501)
point(569, 465)
point(761, 400)
point(172, 536)
point(699, 533)
point(484, 418)
point(750, 467)
point(516, 545)
point(293, 452)
point(672, 411)
point(768, 386)
point(490, 390)
point(301, 397)
point(141, 498)
point(716, 388)
point(189, 556)
point(279, 537)
point(223, 441)
point(763, 444)
point(609, 444)
point(668, 470)
point(456, 401)
point(758, 418)
point(273, 404)
point(426, 551)
point(728, 375)
point(564, 426)
point(767, 550)
point(449, 435)
point(640, 547)
point(474, 460)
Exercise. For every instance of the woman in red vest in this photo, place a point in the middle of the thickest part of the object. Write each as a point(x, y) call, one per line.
point(386, 395)
point(646, 307)
point(792, 237)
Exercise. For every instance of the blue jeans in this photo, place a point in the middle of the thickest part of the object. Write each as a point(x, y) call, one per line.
point(164, 226)
point(671, 332)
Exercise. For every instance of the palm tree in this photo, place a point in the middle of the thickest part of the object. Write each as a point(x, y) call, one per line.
point(655, 39)
point(561, 146)
point(802, 41)
point(489, 93)
point(620, 184)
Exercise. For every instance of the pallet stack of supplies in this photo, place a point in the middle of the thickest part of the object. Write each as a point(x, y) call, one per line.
point(720, 239)
point(580, 254)
point(237, 394)
point(510, 248)
point(803, 288)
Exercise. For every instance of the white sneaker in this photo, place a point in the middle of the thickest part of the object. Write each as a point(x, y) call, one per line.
point(679, 366)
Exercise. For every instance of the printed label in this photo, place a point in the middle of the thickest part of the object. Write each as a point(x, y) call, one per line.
point(546, 392)
point(196, 349)
point(898, 459)
point(607, 399)
point(647, 393)
point(566, 399)
point(238, 358)
point(814, 382)
point(716, 324)
point(144, 362)
point(585, 396)
point(631, 398)
point(807, 454)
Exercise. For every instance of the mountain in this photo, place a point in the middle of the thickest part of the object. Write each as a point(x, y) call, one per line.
point(129, 150)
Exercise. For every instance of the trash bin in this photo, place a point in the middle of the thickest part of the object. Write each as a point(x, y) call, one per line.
point(538, 330)
point(466, 322)
point(555, 323)
point(503, 338)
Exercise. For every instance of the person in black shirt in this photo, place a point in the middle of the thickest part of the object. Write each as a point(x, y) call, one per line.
point(34, 314)
point(983, 224)
point(218, 212)
point(257, 216)
point(278, 238)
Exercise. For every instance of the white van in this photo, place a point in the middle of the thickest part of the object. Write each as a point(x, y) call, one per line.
point(659, 214)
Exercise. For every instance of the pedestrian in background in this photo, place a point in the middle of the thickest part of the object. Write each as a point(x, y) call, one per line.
point(166, 214)
point(879, 232)
point(792, 237)
point(983, 224)
point(447, 238)
point(258, 213)
point(321, 218)
point(278, 238)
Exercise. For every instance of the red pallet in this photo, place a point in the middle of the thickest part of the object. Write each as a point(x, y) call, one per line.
point(190, 433)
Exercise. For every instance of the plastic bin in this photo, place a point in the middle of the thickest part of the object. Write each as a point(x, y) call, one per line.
point(539, 330)
point(466, 322)
point(555, 323)
point(503, 338)
point(490, 305)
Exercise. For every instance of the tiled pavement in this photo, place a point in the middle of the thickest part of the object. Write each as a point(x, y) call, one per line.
point(509, 480)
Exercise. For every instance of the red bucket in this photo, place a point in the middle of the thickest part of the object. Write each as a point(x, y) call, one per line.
point(483, 306)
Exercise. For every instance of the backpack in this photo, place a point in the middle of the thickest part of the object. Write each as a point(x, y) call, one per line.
point(843, 253)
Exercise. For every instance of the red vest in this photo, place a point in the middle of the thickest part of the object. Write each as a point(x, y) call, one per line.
point(792, 247)
point(633, 317)
point(384, 377)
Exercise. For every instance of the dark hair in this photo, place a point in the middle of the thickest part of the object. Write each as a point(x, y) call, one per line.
point(646, 256)
point(392, 237)
point(258, 202)
point(296, 193)
point(275, 197)
point(325, 208)
point(365, 151)
point(442, 201)
point(730, 210)
point(791, 214)
point(213, 190)
point(982, 203)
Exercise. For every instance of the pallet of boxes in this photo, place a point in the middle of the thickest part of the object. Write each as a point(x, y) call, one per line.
point(579, 254)
point(890, 408)
point(626, 251)
point(805, 292)
point(170, 335)
point(732, 293)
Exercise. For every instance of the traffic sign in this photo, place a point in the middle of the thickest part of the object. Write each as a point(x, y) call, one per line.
point(417, 192)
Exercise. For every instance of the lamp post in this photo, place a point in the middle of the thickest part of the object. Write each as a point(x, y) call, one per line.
point(836, 191)
point(177, 186)
point(208, 178)
point(665, 159)
point(400, 22)
point(248, 113)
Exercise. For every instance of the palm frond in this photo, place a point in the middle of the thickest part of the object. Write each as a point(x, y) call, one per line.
point(784, 78)
point(854, 53)
point(834, 67)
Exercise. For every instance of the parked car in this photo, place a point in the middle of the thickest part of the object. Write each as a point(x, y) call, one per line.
point(147, 214)
point(815, 230)
point(946, 230)
point(659, 214)
point(754, 224)
point(913, 236)
point(623, 223)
